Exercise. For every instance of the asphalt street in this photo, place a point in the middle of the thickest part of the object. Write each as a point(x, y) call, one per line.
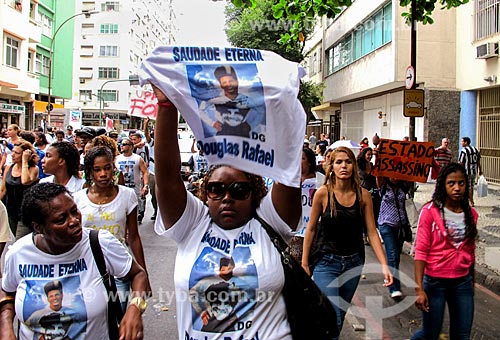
point(375, 315)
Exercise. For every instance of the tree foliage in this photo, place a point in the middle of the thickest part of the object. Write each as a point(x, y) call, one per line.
point(255, 26)
point(299, 11)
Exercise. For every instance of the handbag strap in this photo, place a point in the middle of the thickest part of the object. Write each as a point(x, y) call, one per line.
point(277, 240)
point(115, 311)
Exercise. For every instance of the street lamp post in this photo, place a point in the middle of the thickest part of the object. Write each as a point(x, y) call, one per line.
point(49, 104)
point(133, 79)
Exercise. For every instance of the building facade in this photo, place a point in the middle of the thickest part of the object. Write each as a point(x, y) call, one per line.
point(478, 68)
point(20, 32)
point(109, 47)
point(366, 53)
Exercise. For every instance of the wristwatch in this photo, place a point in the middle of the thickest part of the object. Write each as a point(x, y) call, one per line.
point(140, 303)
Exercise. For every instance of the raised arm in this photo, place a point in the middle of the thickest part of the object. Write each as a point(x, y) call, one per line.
point(286, 201)
point(170, 190)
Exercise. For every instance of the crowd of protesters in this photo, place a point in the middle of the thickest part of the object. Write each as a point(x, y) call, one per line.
point(345, 208)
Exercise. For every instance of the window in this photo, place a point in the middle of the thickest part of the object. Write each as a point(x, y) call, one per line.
point(31, 60)
point(86, 51)
point(33, 10)
point(110, 6)
point(38, 63)
point(364, 39)
point(11, 51)
point(46, 25)
point(45, 65)
point(108, 51)
point(85, 95)
point(88, 6)
point(313, 63)
point(109, 28)
point(42, 64)
point(108, 95)
point(108, 73)
point(486, 18)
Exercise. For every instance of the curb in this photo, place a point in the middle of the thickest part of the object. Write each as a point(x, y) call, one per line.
point(483, 276)
point(487, 278)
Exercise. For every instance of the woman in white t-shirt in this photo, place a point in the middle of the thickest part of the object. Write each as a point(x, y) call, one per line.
point(228, 274)
point(62, 161)
point(51, 281)
point(105, 205)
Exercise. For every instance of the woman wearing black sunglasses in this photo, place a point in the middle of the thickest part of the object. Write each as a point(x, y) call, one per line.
point(243, 299)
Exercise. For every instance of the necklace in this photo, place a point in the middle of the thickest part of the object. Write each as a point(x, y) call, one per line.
point(101, 199)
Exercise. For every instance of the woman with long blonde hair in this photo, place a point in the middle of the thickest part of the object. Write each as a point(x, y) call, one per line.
point(345, 209)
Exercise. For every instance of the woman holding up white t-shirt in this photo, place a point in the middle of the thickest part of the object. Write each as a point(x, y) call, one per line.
point(222, 248)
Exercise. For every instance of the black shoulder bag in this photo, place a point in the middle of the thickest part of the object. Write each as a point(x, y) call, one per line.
point(115, 313)
point(310, 313)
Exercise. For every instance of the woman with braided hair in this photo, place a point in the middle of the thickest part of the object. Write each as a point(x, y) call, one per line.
point(62, 161)
point(222, 225)
point(445, 256)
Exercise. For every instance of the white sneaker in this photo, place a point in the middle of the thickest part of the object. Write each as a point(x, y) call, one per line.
point(396, 294)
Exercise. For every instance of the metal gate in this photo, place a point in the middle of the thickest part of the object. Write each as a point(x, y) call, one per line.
point(488, 132)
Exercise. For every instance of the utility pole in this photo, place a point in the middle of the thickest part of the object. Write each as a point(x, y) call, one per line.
point(413, 53)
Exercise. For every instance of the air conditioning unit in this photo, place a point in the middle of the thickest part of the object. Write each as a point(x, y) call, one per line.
point(488, 50)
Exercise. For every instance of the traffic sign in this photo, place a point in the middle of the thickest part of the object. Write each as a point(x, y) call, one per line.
point(413, 103)
point(49, 107)
point(409, 77)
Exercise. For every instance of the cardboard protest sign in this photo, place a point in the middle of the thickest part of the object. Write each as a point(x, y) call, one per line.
point(143, 104)
point(410, 161)
point(240, 103)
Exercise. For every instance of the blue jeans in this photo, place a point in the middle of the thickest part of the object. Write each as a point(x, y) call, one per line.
point(459, 294)
point(331, 267)
point(393, 248)
point(123, 289)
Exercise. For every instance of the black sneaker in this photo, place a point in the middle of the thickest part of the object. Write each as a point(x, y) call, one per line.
point(140, 218)
point(153, 217)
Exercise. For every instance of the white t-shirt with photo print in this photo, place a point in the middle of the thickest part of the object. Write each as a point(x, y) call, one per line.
point(244, 302)
point(84, 298)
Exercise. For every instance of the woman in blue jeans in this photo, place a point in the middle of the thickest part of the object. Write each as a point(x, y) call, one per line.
point(392, 217)
point(444, 257)
point(345, 208)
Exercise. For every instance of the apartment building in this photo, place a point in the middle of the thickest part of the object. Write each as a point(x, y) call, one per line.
point(108, 48)
point(366, 53)
point(20, 33)
point(478, 69)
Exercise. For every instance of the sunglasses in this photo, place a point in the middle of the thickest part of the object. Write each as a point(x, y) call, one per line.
point(238, 190)
point(126, 144)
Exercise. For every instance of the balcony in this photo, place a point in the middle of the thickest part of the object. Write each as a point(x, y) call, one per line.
point(34, 32)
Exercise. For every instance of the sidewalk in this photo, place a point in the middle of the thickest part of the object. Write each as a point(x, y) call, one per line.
point(488, 242)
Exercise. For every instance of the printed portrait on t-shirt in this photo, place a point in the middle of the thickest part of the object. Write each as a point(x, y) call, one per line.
point(55, 309)
point(127, 169)
point(222, 289)
point(230, 99)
